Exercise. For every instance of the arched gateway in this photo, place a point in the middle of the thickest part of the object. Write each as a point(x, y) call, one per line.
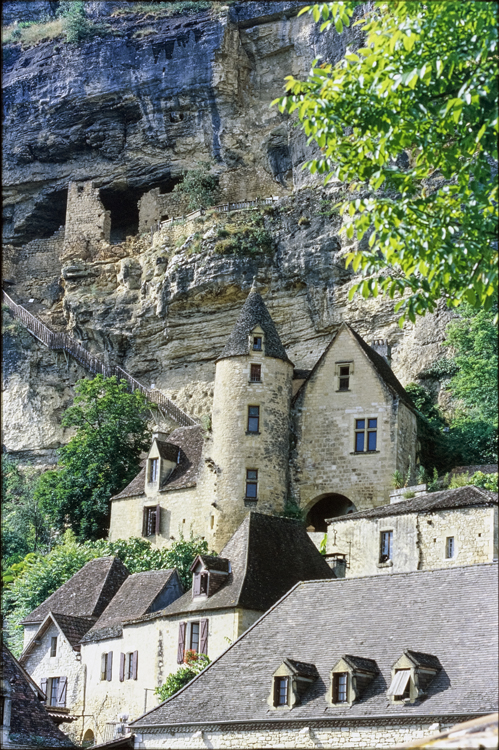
point(328, 506)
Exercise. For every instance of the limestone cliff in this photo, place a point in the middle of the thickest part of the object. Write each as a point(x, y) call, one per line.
point(131, 111)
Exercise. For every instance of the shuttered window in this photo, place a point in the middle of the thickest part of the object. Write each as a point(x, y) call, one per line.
point(54, 691)
point(106, 668)
point(122, 667)
point(194, 636)
point(149, 521)
point(400, 685)
point(181, 642)
point(62, 692)
point(43, 687)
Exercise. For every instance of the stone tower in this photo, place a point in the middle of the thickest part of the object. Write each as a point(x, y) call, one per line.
point(250, 419)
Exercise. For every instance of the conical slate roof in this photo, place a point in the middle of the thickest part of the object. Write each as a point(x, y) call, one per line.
point(254, 313)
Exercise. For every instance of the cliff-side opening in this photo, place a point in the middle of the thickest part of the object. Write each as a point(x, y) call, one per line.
point(124, 211)
point(48, 214)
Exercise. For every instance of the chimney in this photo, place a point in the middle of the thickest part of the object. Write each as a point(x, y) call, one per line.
point(383, 348)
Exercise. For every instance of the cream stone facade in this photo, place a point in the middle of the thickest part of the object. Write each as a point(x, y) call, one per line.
point(265, 448)
point(425, 534)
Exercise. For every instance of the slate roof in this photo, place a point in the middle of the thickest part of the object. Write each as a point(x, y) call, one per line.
point(268, 555)
point(30, 724)
point(450, 614)
point(381, 366)
point(213, 562)
point(303, 669)
point(86, 594)
point(461, 497)
point(484, 468)
point(189, 440)
point(358, 662)
point(254, 313)
point(134, 598)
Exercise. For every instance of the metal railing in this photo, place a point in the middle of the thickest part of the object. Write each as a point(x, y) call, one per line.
point(222, 208)
point(63, 342)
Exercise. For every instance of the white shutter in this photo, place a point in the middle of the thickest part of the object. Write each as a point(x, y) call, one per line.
point(399, 682)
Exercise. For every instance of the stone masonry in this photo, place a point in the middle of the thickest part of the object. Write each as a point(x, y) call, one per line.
point(87, 221)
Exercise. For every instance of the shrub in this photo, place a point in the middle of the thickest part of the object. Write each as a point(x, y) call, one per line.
point(199, 186)
point(409, 494)
point(194, 664)
point(77, 26)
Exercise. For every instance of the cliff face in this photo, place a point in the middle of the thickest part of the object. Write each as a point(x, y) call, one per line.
point(131, 111)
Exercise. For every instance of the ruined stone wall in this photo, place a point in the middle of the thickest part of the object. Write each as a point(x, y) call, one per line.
point(36, 268)
point(235, 450)
point(87, 221)
point(325, 458)
point(154, 207)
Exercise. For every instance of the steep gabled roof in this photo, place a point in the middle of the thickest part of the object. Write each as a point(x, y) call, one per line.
point(267, 555)
point(72, 628)
point(139, 594)
point(460, 497)
point(382, 367)
point(87, 593)
point(447, 614)
point(254, 313)
point(30, 724)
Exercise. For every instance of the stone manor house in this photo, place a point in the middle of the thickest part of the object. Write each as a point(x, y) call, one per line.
point(330, 438)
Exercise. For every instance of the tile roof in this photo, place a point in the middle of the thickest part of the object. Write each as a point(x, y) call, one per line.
point(187, 440)
point(136, 596)
point(213, 562)
point(302, 668)
point(451, 614)
point(254, 313)
point(30, 724)
point(268, 555)
point(461, 497)
point(381, 366)
point(74, 628)
point(87, 593)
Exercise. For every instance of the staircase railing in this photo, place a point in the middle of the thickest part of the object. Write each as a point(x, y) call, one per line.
point(63, 342)
point(220, 209)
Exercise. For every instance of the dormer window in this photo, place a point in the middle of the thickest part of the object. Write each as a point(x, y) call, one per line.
point(411, 676)
point(153, 469)
point(350, 676)
point(209, 573)
point(257, 343)
point(200, 584)
point(290, 682)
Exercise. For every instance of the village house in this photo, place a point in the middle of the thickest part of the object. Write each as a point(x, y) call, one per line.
point(332, 447)
point(360, 662)
point(26, 723)
point(434, 530)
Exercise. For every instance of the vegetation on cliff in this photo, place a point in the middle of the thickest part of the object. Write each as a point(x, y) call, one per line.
point(409, 122)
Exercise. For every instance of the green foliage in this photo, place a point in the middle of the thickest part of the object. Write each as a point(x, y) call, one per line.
point(442, 368)
point(293, 510)
point(169, 8)
point(409, 494)
point(323, 545)
point(77, 27)
point(413, 111)
point(100, 460)
point(199, 186)
point(195, 663)
point(38, 576)
point(249, 238)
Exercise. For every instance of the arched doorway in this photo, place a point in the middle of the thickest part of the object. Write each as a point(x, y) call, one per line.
point(328, 506)
point(88, 738)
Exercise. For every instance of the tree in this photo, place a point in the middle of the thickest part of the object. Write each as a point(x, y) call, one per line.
point(199, 186)
point(99, 460)
point(194, 664)
point(409, 123)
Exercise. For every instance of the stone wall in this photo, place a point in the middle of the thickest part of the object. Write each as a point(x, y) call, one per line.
point(36, 268)
point(325, 459)
point(419, 540)
point(345, 734)
point(87, 221)
point(155, 206)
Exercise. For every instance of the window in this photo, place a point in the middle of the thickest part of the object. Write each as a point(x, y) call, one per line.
point(153, 469)
point(281, 690)
point(257, 343)
point(365, 435)
point(251, 484)
point(53, 645)
point(255, 373)
point(200, 584)
point(128, 665)
point(401, 685)
point(194, 637)
point(386, 546)
point(340, 684)
point(151, 520)
point(449, 547)
point(54, 691)
point(106, 666)
point(344, 378)
point(253, 419)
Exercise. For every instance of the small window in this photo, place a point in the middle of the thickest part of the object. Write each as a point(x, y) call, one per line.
point(153, 469)
point(449, 547)
point(129, 665)
point(54, 691)
point(401, 685)
point(53, 646)
point(281, 691)
point(149, 521)
point(344, 378)
point(253, 419)
point(251, 484)
point(194, 637)
point(203, 583)
point(257, 343)
point(340, 687)
point(106, 666)
point(256, 373)
point(365, 435)
point(386, 546)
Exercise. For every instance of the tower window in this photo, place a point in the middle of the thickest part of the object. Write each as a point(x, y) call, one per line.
point(344, 378)
point(251, 484)
point(256, 373)
point(257, 343)
point(281, 689)
point(254, 419)
point(153, 469)
point(386, 546)
point(449, 547)
point(340, 684)
point(365, 435)
point(53, 645)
